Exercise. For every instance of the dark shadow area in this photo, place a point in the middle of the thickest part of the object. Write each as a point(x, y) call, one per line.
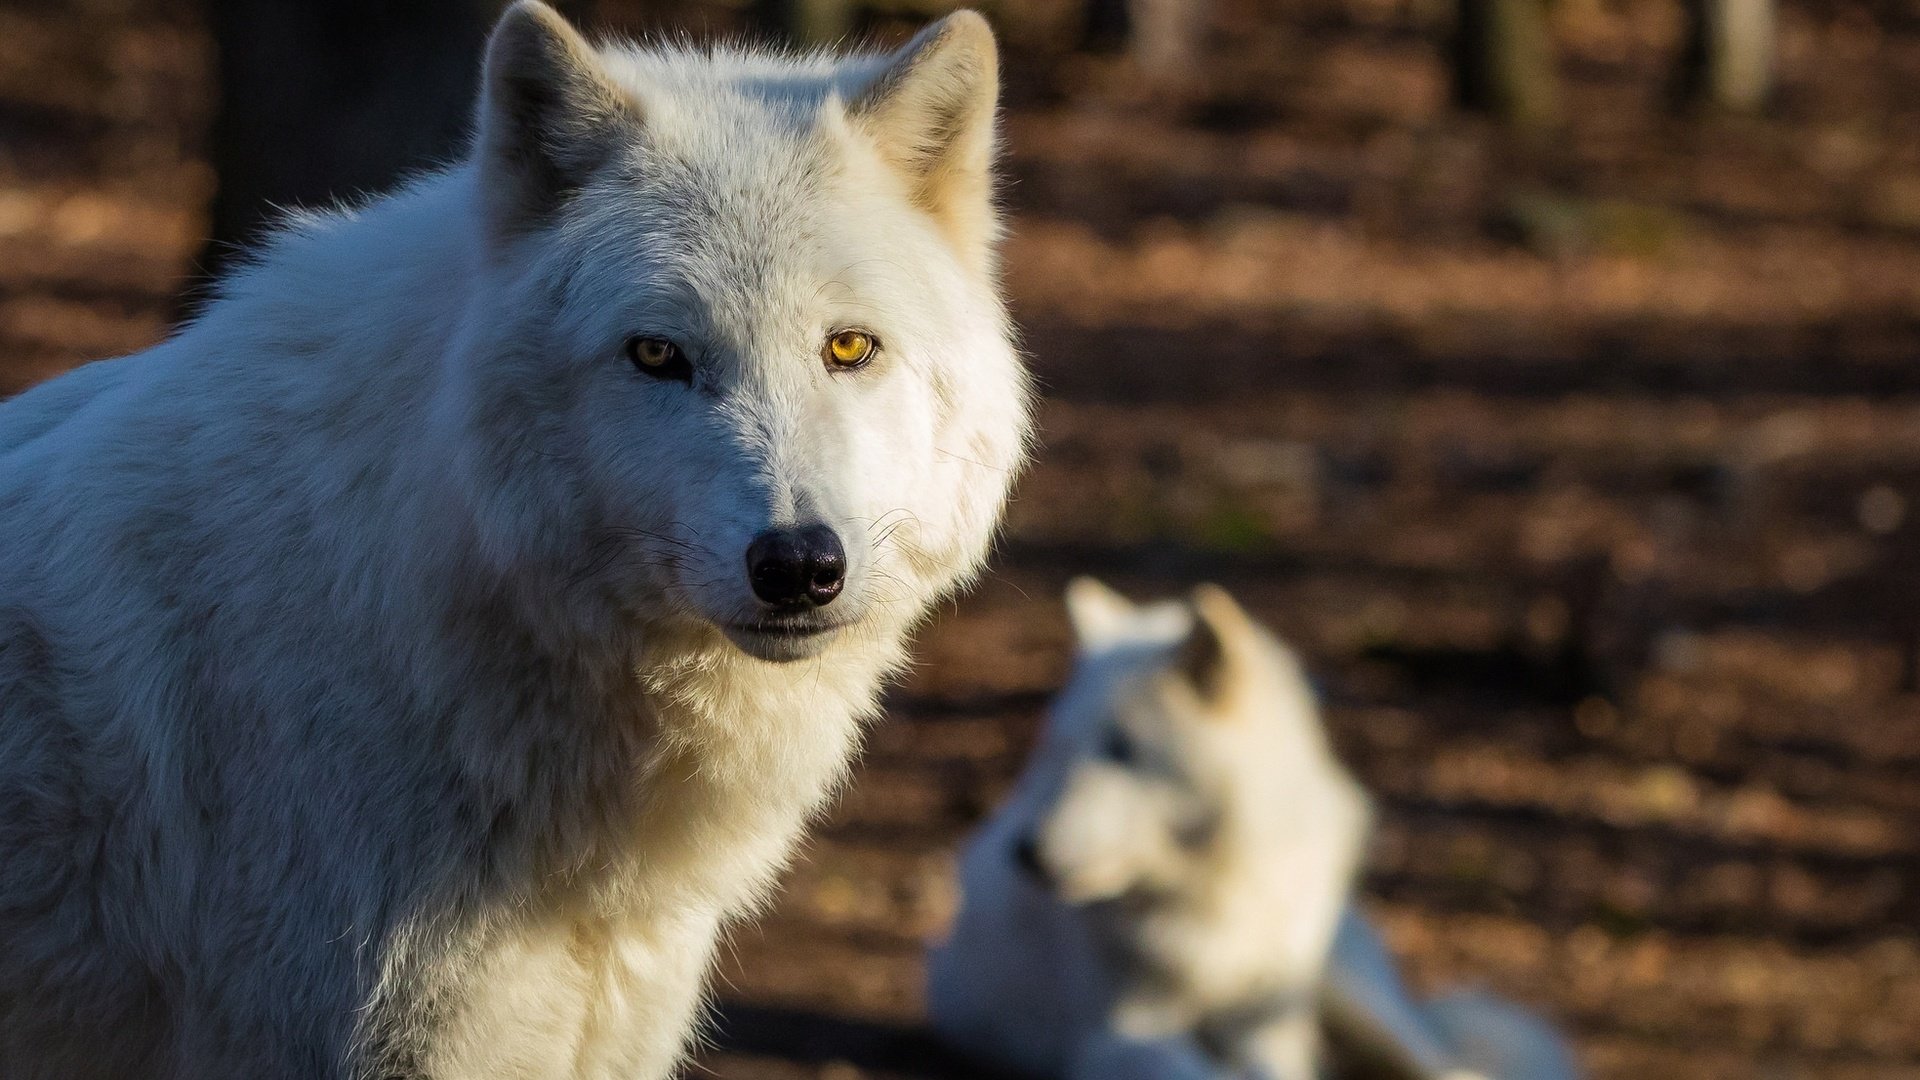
point(819, 1038)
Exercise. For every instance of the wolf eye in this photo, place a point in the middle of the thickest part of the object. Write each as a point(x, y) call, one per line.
point(849, 349)
point(659, 358)
point(1117, 747)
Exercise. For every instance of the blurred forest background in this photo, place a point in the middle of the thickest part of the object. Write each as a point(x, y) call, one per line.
point(1549, 382)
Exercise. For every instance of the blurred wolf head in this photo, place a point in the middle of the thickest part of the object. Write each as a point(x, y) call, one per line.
point(1193, 733)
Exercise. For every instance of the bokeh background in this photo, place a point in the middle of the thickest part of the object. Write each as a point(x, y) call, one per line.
point(1547, 376)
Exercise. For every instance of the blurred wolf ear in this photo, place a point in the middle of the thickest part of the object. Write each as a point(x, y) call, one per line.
point(1096, 612)
point(549, 116)
point(931, 112)
point(1211, 656)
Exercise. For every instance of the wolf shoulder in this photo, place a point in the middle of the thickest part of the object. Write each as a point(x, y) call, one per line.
point(41, 410)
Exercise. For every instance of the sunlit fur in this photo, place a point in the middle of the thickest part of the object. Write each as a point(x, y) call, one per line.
point(373, 701)
point(1195, 841)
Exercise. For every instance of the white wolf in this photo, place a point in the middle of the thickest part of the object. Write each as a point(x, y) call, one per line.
point(1167, 894)
point(1174, 862)
point(409, 668)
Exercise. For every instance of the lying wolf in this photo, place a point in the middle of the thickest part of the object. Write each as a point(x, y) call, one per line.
point(409, 668)
point(1167, 895)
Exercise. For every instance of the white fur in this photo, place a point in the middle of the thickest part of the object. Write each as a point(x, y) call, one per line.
point(1190, 877)
point(372, 702)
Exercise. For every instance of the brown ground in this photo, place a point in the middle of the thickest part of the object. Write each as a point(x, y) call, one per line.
point(1583, 471)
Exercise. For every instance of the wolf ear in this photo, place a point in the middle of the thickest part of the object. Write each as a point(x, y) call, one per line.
point(549, 116)
point(1096, 612)
point(1211, 656)
point(931, 112)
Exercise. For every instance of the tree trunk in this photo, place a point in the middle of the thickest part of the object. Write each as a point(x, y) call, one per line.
point(322, 100)
point(1729, 54)
point(1504, 62)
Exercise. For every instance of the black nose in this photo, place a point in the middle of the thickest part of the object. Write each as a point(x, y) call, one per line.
point(1026, 855)
point(802, 567)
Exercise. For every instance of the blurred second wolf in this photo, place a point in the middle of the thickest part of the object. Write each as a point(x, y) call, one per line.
point(1174, 863)
point(1168, 893)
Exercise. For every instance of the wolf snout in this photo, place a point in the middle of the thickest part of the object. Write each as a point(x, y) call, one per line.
point(797, 568)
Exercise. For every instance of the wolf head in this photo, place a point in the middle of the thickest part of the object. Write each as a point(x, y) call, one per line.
point(1181, 719)
point(734, 324)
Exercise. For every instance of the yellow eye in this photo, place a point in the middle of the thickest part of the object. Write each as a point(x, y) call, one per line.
point(850, 348)
point(653, 352)
point(659, 358)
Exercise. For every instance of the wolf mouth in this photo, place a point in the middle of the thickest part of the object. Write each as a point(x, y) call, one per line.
point(783, 640)
point(787, 628)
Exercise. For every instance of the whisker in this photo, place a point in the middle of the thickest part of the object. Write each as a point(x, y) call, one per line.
point(976, 464)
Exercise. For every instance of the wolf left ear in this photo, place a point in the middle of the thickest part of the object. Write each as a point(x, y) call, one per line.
point(930, 111)
point(549, 116)
point(1096, 611)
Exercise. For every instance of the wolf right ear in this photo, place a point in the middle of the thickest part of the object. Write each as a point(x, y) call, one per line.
point(930, 111)
point(549, 116)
